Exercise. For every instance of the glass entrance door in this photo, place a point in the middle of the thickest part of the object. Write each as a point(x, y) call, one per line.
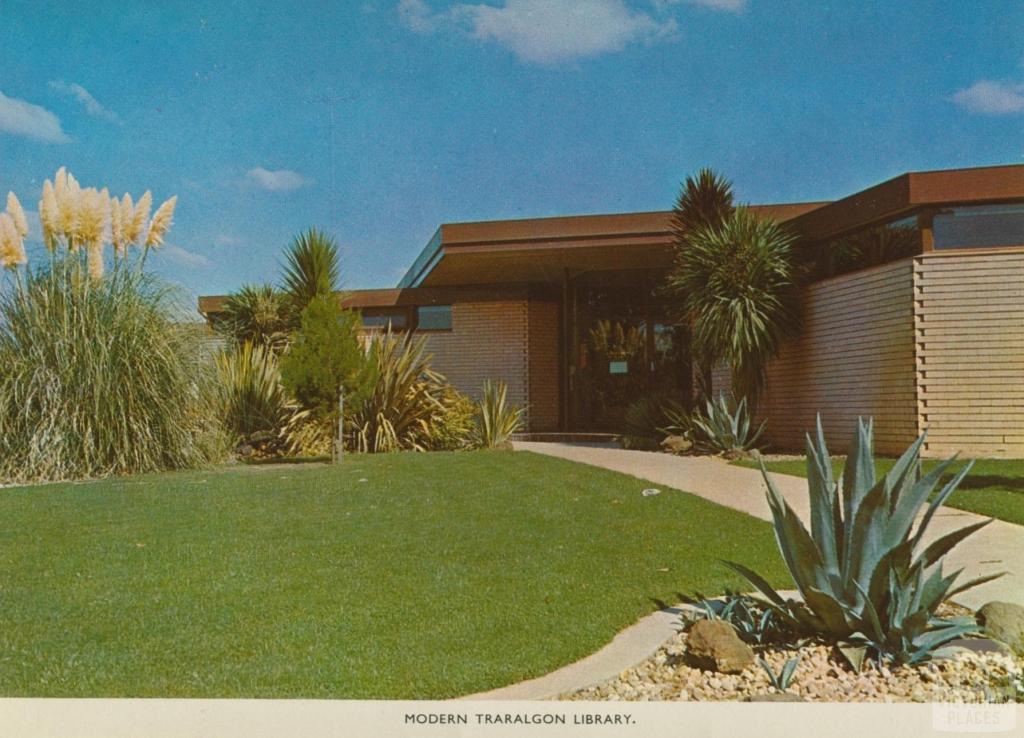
point(624, 347)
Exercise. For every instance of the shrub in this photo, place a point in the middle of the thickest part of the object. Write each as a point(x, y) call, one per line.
point(497, 420)
point(653, 417)
point(863, 570)
point(452, 428)
point(97, 378)
point(727, 430)
point(326, 357)
point(405, 401)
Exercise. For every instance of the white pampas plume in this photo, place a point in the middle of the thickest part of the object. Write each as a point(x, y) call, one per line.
point(140, 216)
point(49, 213)
point(92, 217)
point(12, 246)
point(67, 192)
point(117, 228)
point(17, 214)
point(162, 220)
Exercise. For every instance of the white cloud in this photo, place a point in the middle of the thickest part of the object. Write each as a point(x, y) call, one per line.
point(22, 118)
point(91, 104)
point(730, 6)
point(277, 180)
point(226, 239)
point(992, 98)
point(544, 31)
point(183, 257)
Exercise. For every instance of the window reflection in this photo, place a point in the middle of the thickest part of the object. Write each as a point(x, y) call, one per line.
point(979, 226)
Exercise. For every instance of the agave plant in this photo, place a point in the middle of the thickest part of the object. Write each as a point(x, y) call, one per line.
point(727, 430)
point(497, 420)
point(865, 572)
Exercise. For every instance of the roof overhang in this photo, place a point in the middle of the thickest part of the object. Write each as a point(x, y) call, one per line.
point(909, 192)
point(540, 250)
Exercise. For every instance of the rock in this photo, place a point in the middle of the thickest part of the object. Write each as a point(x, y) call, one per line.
point(1003, 621)
point(775, 697)
point(714, 644)
point(245, 450)
point(979, 645)
point(677, 444)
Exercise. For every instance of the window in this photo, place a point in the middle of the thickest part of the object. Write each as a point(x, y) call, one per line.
point(979, 226)
point(379, 318)
point(866, 247)
point(434, 318)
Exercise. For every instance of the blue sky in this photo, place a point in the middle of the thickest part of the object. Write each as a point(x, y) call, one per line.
point(378, 120)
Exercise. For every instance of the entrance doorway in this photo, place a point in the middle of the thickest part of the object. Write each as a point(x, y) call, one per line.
point(624, 344)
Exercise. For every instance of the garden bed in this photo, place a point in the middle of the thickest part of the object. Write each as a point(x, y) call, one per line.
point(822, 675)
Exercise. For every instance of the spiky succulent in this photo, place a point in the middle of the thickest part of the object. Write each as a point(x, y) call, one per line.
point(727, 430)
point(864, 570)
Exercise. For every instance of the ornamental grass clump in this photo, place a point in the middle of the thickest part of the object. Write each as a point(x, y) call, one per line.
point(97, 378)
point(98, 374)
point(868, 578)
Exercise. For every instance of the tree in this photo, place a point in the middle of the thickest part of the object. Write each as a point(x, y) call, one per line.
point(704, 201)
point(325, 356)
point(311, 269)
point(737, 284)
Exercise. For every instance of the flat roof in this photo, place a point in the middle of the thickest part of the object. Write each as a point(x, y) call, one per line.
point(487, 257)
point(539, 249)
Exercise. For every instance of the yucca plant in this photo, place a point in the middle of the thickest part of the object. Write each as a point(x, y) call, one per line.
point(727, 430)
point(866, 575)
point(397, 414)
point(497, 419)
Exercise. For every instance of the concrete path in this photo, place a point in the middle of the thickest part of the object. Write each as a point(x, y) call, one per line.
point(997, 547)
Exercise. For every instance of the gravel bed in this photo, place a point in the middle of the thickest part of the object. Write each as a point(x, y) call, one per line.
point(821, 676)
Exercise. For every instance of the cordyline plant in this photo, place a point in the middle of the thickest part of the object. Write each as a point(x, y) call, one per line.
point(866, 575)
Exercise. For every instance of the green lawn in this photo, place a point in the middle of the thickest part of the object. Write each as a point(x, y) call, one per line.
point(994, 487)
point(397, 576)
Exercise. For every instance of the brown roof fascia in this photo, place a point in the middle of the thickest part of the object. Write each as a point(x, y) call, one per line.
point(412, 296)
point(909, 191)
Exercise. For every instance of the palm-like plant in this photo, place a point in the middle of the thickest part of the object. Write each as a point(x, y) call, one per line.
point(704, 201)
point(737, 284)
point(311, 268)
point(256, 314)
point(252, 396)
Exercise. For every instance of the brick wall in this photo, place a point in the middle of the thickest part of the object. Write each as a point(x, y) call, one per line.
point(543, 365)
point(488, 340)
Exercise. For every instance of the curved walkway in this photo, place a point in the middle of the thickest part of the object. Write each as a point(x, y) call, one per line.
point(997, 547)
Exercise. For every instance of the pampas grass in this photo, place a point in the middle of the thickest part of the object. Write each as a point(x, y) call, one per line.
point(97, 378)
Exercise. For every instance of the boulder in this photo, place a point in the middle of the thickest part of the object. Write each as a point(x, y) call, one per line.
point(1003, 621)
point(677, 444)
point(715, 645)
